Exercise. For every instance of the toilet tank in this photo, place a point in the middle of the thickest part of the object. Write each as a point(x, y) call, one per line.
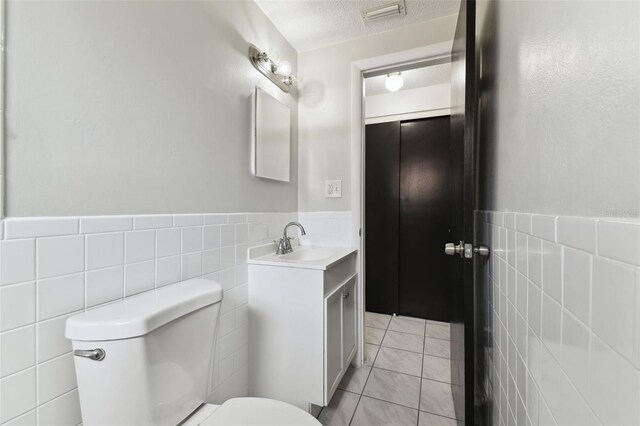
point(158, 355)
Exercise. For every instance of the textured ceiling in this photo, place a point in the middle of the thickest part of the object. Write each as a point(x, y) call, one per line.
point(420, 77)
point(310, 24)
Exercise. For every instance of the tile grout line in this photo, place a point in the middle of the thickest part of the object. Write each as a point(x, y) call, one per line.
point(36, 259)
point(421, 379)
point(379, 348)
point(424, 341)
point(440, 415)
point(395, 403)
point(421, 366)
point(369, 375)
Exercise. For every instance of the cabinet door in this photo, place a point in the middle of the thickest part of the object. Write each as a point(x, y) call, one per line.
point(333, 356)
point(349, 321)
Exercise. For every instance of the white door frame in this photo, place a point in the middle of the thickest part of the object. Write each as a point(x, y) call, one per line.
point(357, 69)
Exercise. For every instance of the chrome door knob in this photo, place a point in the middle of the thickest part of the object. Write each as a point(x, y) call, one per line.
point(481, 250)
point(451, 249)
point(465, 250)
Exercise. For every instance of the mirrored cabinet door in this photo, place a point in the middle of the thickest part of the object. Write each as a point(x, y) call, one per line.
point(271, 137)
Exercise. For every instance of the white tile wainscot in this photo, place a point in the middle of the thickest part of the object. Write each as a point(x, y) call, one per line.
point(563, 301)
point(51, 268)
point(327, 229)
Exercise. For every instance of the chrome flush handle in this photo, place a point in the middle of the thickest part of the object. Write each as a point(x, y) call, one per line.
point(94, 354)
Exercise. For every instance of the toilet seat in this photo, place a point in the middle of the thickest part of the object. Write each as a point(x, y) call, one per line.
point(252, 412)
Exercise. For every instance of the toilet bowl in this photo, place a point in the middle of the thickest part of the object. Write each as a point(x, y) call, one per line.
point(148, 360)
point(251, 412)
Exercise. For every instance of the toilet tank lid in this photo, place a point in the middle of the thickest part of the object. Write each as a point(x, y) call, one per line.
point(139, 315)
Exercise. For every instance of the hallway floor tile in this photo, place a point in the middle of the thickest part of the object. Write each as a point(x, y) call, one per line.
point(399, 361)
point(436, 368)
point(437, 347)
point(373, 335)
point(405, 379)
point(370, 353)
point(407, 325)
point(404, 341)
point(374, 412)
point(377, 320)
point(340, 411)
point(398, 388)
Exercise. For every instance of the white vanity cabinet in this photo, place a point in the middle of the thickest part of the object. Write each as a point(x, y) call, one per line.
point(339, 334)
point(302, 327)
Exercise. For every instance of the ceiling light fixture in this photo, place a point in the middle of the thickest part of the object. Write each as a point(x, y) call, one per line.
point(394, 82)
point(384, 10)
point(279, 73)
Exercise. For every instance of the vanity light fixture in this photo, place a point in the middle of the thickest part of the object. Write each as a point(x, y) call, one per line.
point(385, 10)
point(394, 82)
point(278, 72)
point(283, 68)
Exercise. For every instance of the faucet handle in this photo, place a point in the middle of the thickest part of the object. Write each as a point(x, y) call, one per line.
point(287, 245)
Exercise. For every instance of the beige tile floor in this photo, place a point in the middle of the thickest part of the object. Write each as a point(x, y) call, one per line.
point(405, 379)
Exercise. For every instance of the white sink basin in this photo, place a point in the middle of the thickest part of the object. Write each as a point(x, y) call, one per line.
point(308, 257)
point(309, 253)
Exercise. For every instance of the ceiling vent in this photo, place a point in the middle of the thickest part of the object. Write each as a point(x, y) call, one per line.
point(385, 10)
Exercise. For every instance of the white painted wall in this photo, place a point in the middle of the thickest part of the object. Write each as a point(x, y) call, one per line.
point(127, 107)
point(559, 135)
point(137, 107)
point(408, 104)
point(326, 102)
point(563, 82)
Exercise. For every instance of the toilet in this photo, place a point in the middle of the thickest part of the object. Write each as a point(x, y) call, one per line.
point(148, 360)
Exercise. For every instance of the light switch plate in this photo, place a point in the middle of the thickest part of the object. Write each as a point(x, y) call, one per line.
point(333, 189)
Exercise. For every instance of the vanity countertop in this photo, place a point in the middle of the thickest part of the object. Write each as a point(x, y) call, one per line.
point(306, 257)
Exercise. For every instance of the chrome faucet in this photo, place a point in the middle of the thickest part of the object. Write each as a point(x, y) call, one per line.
point(284, 245)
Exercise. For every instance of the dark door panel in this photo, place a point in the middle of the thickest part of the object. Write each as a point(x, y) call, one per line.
point(382, 161)
point(463, 183)
point(425, 192)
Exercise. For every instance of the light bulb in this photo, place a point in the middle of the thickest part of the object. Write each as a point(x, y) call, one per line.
point(283, 68)
point(394, 82)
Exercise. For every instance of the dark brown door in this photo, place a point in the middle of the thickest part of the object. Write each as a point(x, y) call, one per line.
point(425, 197)
point(382, 192)
point(463, 182)
point(407, 215)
